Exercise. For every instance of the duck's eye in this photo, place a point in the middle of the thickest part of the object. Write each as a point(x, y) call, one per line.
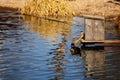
point(72, 44)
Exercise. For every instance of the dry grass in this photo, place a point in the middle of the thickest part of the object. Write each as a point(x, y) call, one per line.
point(46, 8)
point(95, 7)
point(12, 3)
point(78, 7)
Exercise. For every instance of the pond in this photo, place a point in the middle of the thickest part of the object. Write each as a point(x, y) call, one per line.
point(38, 49)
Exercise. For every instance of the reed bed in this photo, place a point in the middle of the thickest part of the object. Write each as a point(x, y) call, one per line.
point(64, 7)
point(95, 7)
point(46, 8)
point(12, 3)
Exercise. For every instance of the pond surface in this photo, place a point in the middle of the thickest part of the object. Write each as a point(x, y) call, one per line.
point(38, 49)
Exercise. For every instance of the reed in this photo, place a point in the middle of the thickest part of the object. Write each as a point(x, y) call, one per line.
point(64, 7)
point(95, 7)
point(46, 8)
point(12, 3)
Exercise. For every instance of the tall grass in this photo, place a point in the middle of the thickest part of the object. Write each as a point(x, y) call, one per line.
point(64, 7)
point(12, 3)
point(46, 8)
point(95, 7)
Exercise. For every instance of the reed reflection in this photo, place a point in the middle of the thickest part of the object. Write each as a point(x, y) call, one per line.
point(46, 28)
point(57, 32)
point(58, 60)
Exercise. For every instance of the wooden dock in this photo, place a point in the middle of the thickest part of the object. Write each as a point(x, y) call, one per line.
point(94, 31)
point(105, 41)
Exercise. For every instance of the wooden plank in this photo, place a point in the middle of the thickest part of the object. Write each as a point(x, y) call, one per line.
point(104, 41)
point(84, 41)
point(98, 30)
point(79, 38)
point(94, 17)
point(88, 30)
point(94, 30)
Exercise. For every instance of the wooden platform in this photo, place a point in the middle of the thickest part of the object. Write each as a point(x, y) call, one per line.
point(94, 29)
point(105, 41)
point(85, 41)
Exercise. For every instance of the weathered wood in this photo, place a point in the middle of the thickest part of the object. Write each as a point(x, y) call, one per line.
point(94, 30)
point(104, 41)
point(79, 38)
point(85, 41)
point(94, 17)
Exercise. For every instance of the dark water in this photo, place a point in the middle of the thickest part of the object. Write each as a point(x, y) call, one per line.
point(39, 49)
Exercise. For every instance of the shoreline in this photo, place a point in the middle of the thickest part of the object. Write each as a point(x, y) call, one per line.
point(7, 9)
point(99, 8)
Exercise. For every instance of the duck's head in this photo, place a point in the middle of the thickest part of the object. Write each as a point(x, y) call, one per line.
point(72, 45)
point(74, 49)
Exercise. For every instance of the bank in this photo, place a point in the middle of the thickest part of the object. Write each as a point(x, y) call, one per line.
point(104, 8)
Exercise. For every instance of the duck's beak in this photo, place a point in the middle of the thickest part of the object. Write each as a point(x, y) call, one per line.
point(72, 50)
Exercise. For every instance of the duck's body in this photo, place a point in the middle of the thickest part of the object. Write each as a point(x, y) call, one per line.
point(74, 49)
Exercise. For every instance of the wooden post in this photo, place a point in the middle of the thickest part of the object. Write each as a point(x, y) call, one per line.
point(94, 30)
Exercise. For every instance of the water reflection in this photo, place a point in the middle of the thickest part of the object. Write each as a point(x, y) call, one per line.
point(112, 31)
point(46, 28)
point(112, 62)
point(95, 62)
point(57, 64)
point(41, 52)
point(1, 43)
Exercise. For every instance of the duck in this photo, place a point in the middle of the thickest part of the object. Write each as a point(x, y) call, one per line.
point(74, 49)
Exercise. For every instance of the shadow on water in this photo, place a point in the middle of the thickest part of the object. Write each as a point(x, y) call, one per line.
point(40, 50)
point(112, 32)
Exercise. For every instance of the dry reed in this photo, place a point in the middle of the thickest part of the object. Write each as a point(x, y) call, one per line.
point(95, 7)
point(12, 3)
point(46, 8)
point(64, 7)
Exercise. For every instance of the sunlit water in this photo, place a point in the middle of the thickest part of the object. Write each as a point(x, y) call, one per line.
point(40, 50)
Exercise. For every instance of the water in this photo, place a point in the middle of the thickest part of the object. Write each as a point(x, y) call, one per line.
point(39, 49)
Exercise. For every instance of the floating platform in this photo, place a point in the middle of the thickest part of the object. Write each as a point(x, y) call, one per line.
point(105, 41)
point(100, 43)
